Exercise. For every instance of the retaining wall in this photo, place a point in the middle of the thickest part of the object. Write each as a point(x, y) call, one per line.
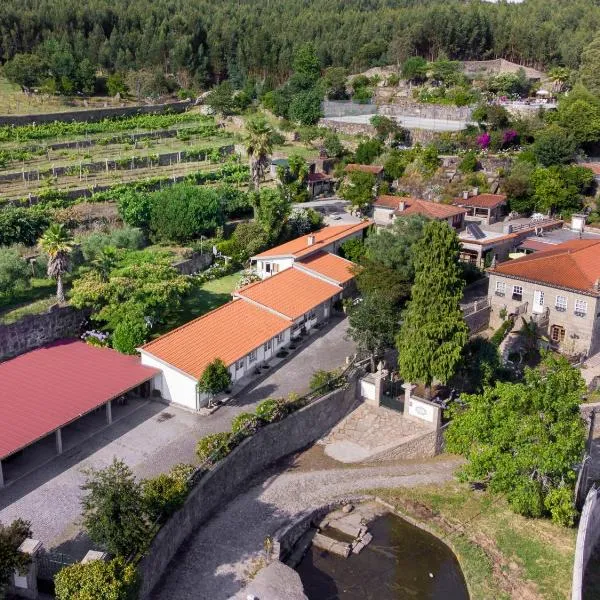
point(95, 114)
point(34, 331)
point(428, 445)
point(478, 320)
point(224, 481)
point(197, 262)
point(588, 536)
point(346, 108)
point(406, 107)
point(128, 164)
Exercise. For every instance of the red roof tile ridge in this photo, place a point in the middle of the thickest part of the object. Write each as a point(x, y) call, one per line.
point(189, 323)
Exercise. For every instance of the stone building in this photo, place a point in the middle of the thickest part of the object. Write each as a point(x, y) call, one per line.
point(558, 288)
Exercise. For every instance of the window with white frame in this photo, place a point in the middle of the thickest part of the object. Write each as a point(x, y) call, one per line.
point(580, 308)
point(517, 292)
point(252, 356)
point(500, 288)
point(267, 346)
point(280, 337)
point(240, 365)
point(561, 303)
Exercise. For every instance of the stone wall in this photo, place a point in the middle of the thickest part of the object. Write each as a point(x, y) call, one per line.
point(406, 107)
point(225, 480)
point(34, 331)
point(348, 128)
point(427, 445)
point(347, 108)
point(95, 114)
point(197, 262)
point(588, 536)
point(478, 320)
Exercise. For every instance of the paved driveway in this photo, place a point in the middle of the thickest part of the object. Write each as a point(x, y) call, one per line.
point(150, 440)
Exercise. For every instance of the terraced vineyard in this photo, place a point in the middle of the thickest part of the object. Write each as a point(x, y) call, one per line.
point(66, 157)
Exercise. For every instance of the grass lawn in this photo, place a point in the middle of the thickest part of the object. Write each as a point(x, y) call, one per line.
point(204, 298)
point(36, 299)
point(33, 308)
point(502, 555)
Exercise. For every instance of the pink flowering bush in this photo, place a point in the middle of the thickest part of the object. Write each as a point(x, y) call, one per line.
point(483, 140)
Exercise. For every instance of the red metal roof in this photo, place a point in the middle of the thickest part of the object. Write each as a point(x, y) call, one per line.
point(54, 385)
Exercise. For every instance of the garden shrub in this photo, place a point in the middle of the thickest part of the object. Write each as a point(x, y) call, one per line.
point(324, 380)
point(245, 425)
point(14, 272)
point(92, 245)
point(129, 334)
point(271, 410)
point(560, 503)
point(114, 580)
point(22, 225)
point(214, 447)
point(164, 494)
point(502, 332)
point(469, 163)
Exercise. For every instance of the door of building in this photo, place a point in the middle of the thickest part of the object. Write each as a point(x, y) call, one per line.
point(538, 302)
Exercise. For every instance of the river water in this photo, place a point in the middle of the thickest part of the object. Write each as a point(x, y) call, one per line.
point(402, 562)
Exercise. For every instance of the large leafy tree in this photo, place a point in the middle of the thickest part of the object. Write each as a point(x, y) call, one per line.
point(57, 243)
point(259, 147)
point(11, 537)
point(272, 209)
point(112, 509)
point(359, 189)
point(554, 146)
point(433, 332)
point(525, 439)
point(588, 70)
point(293, 179)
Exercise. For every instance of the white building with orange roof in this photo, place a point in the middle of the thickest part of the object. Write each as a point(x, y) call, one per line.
point(329, 239)
point(248, 332)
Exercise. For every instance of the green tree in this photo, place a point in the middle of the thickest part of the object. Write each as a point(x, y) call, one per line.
point(469, 162)
point(367, 151)
point(491, 116)
point(259, 143)
point(395, 247)
point(215, 378)
point(373, 324)
point(306, 63)
point(112, 509)
point(414, 69)
point(333, 146)
point(15, 273)
point(11, 537)
point(519, 188)
point(25, 70)
point(525, 439)
point(184, 212)
point(129, 334)
point(334, 81)
point(552, 192)
point(359, 189)
point(433, 331)
point(115, 84)
point(554, 146)
point(588, 69)
point(305, 107)
point(57, 243)
point(114, 580)
point(294, 179)
point(221, 99)
point(353, 249)
point(271, 211)
point(135, 208)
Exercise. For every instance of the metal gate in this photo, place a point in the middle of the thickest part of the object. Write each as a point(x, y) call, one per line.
point(49, 563)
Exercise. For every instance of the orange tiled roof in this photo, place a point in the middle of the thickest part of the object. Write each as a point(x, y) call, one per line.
point(481, 201)
point(593, 166)
point(415, 206)
point(291, 292)
point(573, 265)
point(300, 247)
point(329, 265)
point(373, 169)
point(229, 333)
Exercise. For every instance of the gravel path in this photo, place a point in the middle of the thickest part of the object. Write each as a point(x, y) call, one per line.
point(214, 561)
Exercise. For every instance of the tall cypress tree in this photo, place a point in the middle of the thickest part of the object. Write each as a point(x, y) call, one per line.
point(433, 332)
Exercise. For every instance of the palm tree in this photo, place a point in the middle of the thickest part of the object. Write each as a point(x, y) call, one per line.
point(57, 243)
point(259, 146)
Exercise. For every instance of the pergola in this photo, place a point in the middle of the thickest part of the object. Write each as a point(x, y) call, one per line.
point(46, 389)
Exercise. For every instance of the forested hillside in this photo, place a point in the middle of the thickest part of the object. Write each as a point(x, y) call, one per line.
point(204, 41)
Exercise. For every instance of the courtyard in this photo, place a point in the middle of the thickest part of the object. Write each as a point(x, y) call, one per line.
point(150, 437)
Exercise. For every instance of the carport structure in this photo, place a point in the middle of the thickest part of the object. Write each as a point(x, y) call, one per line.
point(46, 389)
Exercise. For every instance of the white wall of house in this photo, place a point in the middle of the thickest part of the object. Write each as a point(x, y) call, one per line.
point(174, 386)
point(265, 267)
point(574, 312)
point(383, 216)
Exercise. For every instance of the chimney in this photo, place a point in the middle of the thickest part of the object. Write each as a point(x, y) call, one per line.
point(465, 195)
point(402, 206)
point(310, 240)
point(475, 191)
point(597, 285)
